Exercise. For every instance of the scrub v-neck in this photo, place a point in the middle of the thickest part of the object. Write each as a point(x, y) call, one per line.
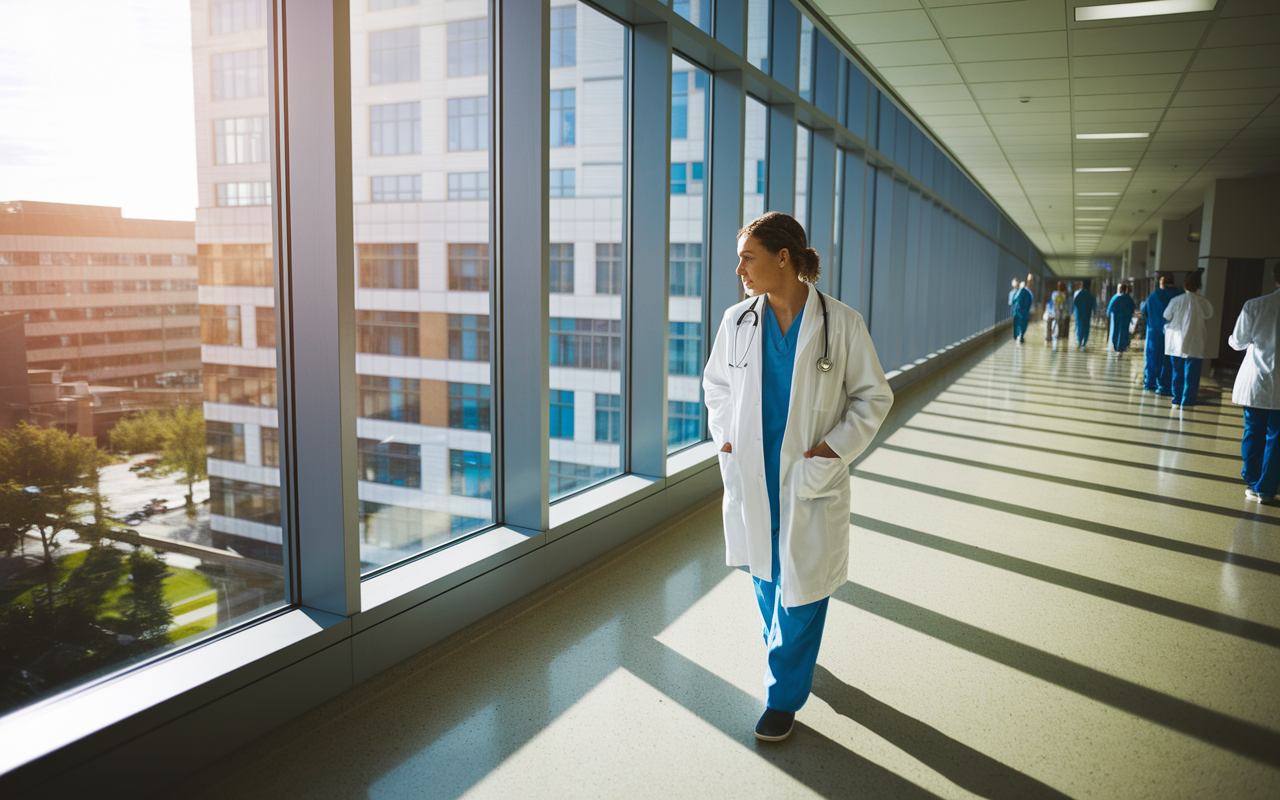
point(775, 399)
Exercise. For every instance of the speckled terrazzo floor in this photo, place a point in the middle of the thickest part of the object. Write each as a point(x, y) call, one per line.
point(1057, 589)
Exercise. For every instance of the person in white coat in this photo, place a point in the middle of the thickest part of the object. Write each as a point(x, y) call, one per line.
point(1184, 339)
point(795, 393)
point(1257, 390)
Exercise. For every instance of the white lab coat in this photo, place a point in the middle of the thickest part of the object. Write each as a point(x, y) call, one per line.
point(1184, 331)
point(844, 407)
point(1256, 329)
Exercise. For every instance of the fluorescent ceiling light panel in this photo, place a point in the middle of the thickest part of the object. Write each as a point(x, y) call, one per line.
point(1091, 219)
point(1094, 208)
point(1112, 135)
point(1097, 194)
point(1149, 8)
point(1104, 169)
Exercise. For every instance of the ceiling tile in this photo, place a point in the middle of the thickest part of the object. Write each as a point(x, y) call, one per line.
point(947, 108)
point(1145, 118)
point(835, 7)
point(931, 75)
point(1104, 102)
point(1163, 36)
point(1010, 47)
point(1214, 112)
point(1258, 55)
point(1232, 79)
point(1011, 105)
point(903, 54)
point(998, 121)
point(1241, 8)
point(925, 94)
point(1016, 89)
point(1036, 69)
point(1239, 31)
point(1177, 125)
point(886, 26)
point(1225, 97)
point(1003, 131)
point(947, 121)
point(1129, 64)
point(1126, 84)
point(1023, 16)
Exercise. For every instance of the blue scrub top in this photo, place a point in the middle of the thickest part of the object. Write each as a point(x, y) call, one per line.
point(1154, 308)
point(775, 399)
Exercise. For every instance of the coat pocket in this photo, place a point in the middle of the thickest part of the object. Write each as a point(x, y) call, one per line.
point(821, 477)
point(730, 476)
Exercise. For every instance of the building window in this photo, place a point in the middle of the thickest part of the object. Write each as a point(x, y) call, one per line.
point(383, 5)
point(397, 188)
point(469, 48)
point(225, 440)
point(395, 399)
point(240, 141)
point(239, 385)
point(469, 267)
point(264, 318)
point(561, 414)
point(608, 269)
point(468, 186)
point(395, 129)
point(232, 16)
point(257, 193)
point(240, 74)
point(684, 354)
point(680, 105)
point(686, 178)
point(686, 269)
point(586, 343)
point(393, 56)
point(684, 423)
point(270, 446)
point(234, 264)
point(252, 502)
point(608, 417)
point(392, 463)
point(568, 477)
point(562, 117)
point(469, 123)
point(388, 333)
point(388, 266)
point(562, 183)
point(564, 23)
point(759, 177)
point(562, 268)
point(220, 325)
point(469, 337)
point(469, 406)
point(469, 474)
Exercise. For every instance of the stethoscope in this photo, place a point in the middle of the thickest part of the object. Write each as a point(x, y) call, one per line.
point(824, 363)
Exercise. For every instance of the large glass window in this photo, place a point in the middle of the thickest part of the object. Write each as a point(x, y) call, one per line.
point(392, 463)
point(608, 269)
point(469, 267)
point(388, 333)
point(469, 337)
point(469, 406)
point(563, 182)
point(468, 123)
point(758, 33)
point(686, 307)
point(395, 399)
point(393, 56)
point(468, 186)
point(561, 414)
point(562, 268)
point(564, 51)
point(696, 11)
point(608, 417)
point(804, 143)
point(395, 129)
point(397, 188)
point(469, 48)
point(137, 513)
point(388, 266)
point(563, 108)
point(804, 82)
point(755, 163)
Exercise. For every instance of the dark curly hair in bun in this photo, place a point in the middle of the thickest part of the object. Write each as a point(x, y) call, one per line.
point(776, 232)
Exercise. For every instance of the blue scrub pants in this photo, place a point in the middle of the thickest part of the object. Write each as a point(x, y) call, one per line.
point(793, 636)
point(1082, 329)
point(1186, 380)
point(1261, 450)
point(1119, 333)
point(1020, 322)
point(1157, 375)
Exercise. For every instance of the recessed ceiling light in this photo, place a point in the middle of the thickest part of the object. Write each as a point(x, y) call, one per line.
point(1097, 194)
point(1104, 169)
point(1149, 8)
point(1112, 135)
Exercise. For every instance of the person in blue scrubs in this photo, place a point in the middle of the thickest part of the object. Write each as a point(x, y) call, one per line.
point(1084, 304)
point(1157, 375)
point(1021, 302)
point(1120, 311)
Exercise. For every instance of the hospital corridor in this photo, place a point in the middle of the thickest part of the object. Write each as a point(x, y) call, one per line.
point(1056, 589)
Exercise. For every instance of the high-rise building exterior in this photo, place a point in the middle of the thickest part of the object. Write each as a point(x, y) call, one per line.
point(420, 133)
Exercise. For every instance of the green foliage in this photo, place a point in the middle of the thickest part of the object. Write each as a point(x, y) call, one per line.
point(179, 437)
point(146, 614)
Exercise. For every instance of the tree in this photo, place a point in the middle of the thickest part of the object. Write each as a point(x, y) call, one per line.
point(147, 615)
point(179, 437)
point(43, 474)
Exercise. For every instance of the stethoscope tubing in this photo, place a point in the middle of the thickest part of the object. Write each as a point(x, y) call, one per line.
point(824, 362)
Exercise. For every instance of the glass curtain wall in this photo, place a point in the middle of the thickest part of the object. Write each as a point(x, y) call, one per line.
point(588, 142)
point(804, 82)
point(696, 11)
point(804, 143)
point(758, 15)
point(420, 163)
point(690, 140)
point(139, 466)
point(755, 167)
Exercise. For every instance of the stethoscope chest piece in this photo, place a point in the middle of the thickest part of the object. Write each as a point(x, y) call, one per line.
point(824, 364)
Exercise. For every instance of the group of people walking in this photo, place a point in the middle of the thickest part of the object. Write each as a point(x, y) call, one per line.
point(1057, 313)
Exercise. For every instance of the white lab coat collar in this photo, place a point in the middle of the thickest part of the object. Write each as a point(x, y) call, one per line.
point(810, 321)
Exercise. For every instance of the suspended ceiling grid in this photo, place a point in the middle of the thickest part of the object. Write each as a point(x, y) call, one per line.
point(1206, 86)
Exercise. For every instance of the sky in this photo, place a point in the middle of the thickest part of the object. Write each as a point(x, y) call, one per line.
point(96, 105)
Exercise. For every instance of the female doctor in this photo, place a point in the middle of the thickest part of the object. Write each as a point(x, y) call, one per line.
point(794, 393)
